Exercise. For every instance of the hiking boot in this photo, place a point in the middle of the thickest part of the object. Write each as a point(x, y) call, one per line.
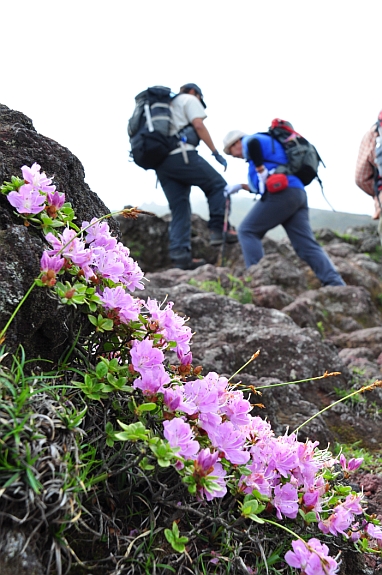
point(217, 237)
point(186, 262)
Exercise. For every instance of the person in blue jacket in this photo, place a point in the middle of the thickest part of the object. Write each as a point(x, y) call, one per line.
point(288, 207)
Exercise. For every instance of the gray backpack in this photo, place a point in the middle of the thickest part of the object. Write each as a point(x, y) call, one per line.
point(149, 127)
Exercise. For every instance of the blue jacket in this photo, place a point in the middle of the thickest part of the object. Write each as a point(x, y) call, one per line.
point(272, 150)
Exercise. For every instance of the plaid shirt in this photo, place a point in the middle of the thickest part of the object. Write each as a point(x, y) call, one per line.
point(366, 164)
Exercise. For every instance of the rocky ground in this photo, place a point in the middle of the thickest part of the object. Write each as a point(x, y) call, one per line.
point(278, 307)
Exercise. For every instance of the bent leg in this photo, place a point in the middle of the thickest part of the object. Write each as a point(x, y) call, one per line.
point(212, 184)
point(267, 213)
point(308, 249)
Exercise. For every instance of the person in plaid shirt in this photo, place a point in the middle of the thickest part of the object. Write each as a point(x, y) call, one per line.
point(367, 174)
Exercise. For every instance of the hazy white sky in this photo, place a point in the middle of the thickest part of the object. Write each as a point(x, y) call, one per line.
point(75, 66)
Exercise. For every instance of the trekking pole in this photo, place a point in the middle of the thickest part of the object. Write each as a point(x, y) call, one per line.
point(225, 227)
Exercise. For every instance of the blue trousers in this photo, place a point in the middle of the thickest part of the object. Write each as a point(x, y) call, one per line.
point(290, 209)
point(176, 178)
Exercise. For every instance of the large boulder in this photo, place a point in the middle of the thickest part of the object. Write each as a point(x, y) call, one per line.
point(42, 326)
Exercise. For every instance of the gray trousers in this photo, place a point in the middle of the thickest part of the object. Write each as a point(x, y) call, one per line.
point(290, 209)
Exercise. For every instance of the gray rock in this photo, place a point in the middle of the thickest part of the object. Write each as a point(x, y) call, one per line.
point(35, 326)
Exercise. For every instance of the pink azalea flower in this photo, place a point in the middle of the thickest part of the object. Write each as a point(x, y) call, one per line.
point(338, 522)
point(51, 263)
point(352, 504)
point(144, 356)
point(257, 480)
point(307, 466)
point(283, 459)
point(209, 422)
point(285, 501)
point(179, 434)
point(116, 298)
point(27, 200)
point(171, 325)
point(312, 499)
point(207, 467)
point(258, 430)
point(199, 398)
point(99, 234)
point(152, 381)
point(107, 264)
point(36, 180)
point(352, 464)
point(214, 381)
point(55, 199)
point(375, 532)
point(173, 398)
point(184, 358)
point(312, 558)
point(230, 442)
point(132, 273)
point(69, 246)
point(237, 409)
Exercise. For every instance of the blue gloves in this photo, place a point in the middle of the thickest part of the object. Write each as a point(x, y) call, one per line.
point(220, 159)
point(228, 190)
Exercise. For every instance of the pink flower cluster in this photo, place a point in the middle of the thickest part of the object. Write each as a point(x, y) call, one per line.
point(312, 558)
point(98, 254)
point(172, 327)
point(288, 472)
point(37, 192)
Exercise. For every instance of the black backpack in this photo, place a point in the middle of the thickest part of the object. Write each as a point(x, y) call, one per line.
point(149, 127)
point(303, 158)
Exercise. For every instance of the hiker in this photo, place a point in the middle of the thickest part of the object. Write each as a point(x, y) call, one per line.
point(183, 168)
point(368, 171)
point(287, 207)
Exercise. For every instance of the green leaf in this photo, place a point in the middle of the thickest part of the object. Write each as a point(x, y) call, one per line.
point(176, 542)
point(35, 485)
point(101, 370)
point(169, 536)
point(106, 324)
point(310, 517)
point(147, 407)
point(145, 465)
point(256, 518)
point(132, 432)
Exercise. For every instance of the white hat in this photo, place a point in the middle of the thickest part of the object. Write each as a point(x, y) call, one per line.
point(231, 138)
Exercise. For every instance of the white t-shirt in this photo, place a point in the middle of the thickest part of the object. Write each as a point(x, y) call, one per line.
point(185, 108)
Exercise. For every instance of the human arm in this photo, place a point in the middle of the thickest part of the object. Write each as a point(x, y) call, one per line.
point(233, 189)
point(255, 153)
point(205, 136)
point(203, 133)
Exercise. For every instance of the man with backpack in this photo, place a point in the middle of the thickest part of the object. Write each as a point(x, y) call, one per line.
point(368, 171)
point(283, 201)
point(183, 168)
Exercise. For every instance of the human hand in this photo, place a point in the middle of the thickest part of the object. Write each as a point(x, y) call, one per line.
point(220, 159)
point(228, 190)
point(262, 177)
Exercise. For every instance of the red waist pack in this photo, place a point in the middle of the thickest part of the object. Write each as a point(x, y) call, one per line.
point(276, 183)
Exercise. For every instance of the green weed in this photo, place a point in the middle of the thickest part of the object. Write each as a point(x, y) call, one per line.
point(349, 239)
point(236, 290)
